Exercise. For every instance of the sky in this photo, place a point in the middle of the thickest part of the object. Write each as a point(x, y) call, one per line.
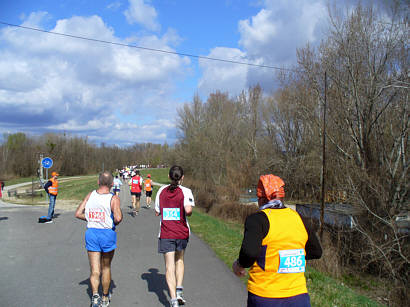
point(121, 95)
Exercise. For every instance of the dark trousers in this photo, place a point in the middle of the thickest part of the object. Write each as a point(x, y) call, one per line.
point(301, 300)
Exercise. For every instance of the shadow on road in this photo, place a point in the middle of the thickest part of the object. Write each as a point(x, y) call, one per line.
point(89, 290)
point(131, 213)
point(157, 284)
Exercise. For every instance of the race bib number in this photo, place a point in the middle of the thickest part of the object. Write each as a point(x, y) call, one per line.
point(171, 214)
point(292, 261)
point(96, 216)
point(135, 182)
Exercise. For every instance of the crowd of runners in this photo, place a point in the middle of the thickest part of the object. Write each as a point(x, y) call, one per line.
point(275, 246)
point(101, 209)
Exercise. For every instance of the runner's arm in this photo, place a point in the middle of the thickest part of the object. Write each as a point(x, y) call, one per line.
point(116, 209)
point(189, 202)
point(80, 212)
point(157, 207)
point(256, 228)
point(188, 210)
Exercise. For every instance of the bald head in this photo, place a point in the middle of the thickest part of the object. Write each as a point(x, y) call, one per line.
point(105, 179)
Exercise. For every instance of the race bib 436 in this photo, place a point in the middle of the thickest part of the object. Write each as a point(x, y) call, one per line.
point(171, 214)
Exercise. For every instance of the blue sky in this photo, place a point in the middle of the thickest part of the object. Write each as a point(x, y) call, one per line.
point(120, 95)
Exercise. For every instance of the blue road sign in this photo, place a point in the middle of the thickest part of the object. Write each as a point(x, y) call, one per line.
point(47, 162)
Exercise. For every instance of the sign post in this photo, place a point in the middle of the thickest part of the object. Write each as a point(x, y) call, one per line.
point(47, 163)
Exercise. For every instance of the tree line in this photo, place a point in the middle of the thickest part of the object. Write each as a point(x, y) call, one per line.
point(231, 140)
point(72, 155)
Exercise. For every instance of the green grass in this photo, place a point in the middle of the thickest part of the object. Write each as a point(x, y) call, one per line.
point(225, 239)
point(19, 180)
point(159, 175)
point(24, 180)
point(77, 189)
point(73, 189)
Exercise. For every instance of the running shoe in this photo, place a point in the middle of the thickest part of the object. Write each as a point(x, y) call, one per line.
point(173, 303)
point(180, 297)
point(105, 303)
point(148, 206)
point(96, 301)
point(49, 222)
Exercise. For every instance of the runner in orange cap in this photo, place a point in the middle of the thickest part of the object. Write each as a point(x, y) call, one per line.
point(148, 190)
point(275, 245)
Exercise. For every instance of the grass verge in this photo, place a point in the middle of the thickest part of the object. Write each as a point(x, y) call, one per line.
point(159, 175)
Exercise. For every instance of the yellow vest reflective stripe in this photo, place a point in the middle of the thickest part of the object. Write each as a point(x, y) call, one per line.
point(53, 189)
point(286, 232)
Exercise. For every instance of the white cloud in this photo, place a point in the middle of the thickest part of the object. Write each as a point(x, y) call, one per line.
point(114, 5)
point(223, 76)
point(282, 26)
point(50, 83)
point(270, 38)
point(142, 13)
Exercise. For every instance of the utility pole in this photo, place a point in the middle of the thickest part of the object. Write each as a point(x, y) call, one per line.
point(322, 205)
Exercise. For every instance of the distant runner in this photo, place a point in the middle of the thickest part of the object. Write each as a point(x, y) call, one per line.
point(174, 203)
point(136, 186)
point(51, 188)
point(117, 185)
point(102, 211)
point(1, 188)
point(148, 190)
point(275, 245)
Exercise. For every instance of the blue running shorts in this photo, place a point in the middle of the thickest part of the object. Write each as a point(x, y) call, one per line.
point(100, 240)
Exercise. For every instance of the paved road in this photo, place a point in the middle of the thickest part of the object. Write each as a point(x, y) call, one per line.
point(47, 265)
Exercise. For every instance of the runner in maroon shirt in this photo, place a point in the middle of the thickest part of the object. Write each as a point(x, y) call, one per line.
point(174, 203)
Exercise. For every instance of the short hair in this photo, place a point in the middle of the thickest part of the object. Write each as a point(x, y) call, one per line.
point(105, 179)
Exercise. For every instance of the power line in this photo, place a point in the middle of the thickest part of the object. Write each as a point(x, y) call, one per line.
point(147, 48)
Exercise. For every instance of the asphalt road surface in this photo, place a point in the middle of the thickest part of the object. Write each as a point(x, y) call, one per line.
point(47, 265)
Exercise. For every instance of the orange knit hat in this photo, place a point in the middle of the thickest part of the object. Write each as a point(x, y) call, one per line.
point(270, 187)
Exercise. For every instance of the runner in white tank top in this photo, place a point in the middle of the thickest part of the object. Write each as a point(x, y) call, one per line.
point(102, 211)
point(98, 211)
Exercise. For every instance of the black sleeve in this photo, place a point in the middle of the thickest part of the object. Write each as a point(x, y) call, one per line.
point(256, 228)
point(313, 248)
point(2, 184)
point(47, 185)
